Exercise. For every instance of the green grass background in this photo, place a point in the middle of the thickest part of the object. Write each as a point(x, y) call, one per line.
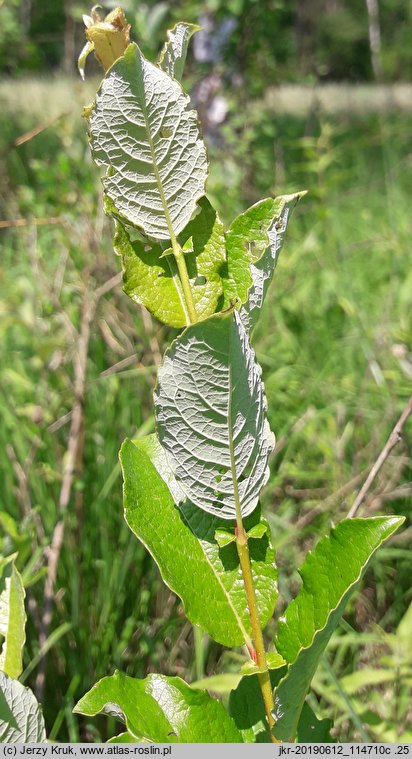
point(335, 345)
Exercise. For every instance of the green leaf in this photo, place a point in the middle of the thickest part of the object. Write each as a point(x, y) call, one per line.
point(21, 718)
point(173, 55)
point(224, 537)
point(311, 729)
point(211, 416)
point(151, 278)
point(212, 592)
point(330, 574)
point(262, 270)
point(220, 684)
point(12, 618)
point(249, 668)
point(247, 710)
point(161, 709)
point(247, 239)
point(145, 134)
point(258, 530)
point(273, 661)
point(125, 738)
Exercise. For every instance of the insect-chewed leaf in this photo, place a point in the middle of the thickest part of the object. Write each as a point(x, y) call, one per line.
point(211, 416)
point(253, 232)
point(274, 223)
point(173, 55)
point(151, 278)
point(143, 131)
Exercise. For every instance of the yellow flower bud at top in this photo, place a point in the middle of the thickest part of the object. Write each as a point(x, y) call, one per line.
point(108, 37)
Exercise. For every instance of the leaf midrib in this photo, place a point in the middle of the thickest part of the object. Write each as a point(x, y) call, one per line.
point(231, 442)
point(160, 188)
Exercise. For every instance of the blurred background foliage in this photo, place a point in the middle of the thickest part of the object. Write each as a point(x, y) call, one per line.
point(335, 338)
point(270, 41)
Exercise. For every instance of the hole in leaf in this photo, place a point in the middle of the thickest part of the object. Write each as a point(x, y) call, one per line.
point(246, 472)
point(218, 478)
point(200, 280)
point(166, 132)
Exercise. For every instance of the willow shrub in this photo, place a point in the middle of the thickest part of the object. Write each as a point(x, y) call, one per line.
point(191, 491)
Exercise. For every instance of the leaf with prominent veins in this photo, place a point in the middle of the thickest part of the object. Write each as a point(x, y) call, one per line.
point(150, 274)
point(21, 718)
point(143, 131)
point(211, 417)
point(253, 232)
point(274, 221)
point(173, 55)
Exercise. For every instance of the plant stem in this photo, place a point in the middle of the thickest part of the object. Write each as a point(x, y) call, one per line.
point(243, 552)
point(257, 635)
point(184, 278)
point(241, 536)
